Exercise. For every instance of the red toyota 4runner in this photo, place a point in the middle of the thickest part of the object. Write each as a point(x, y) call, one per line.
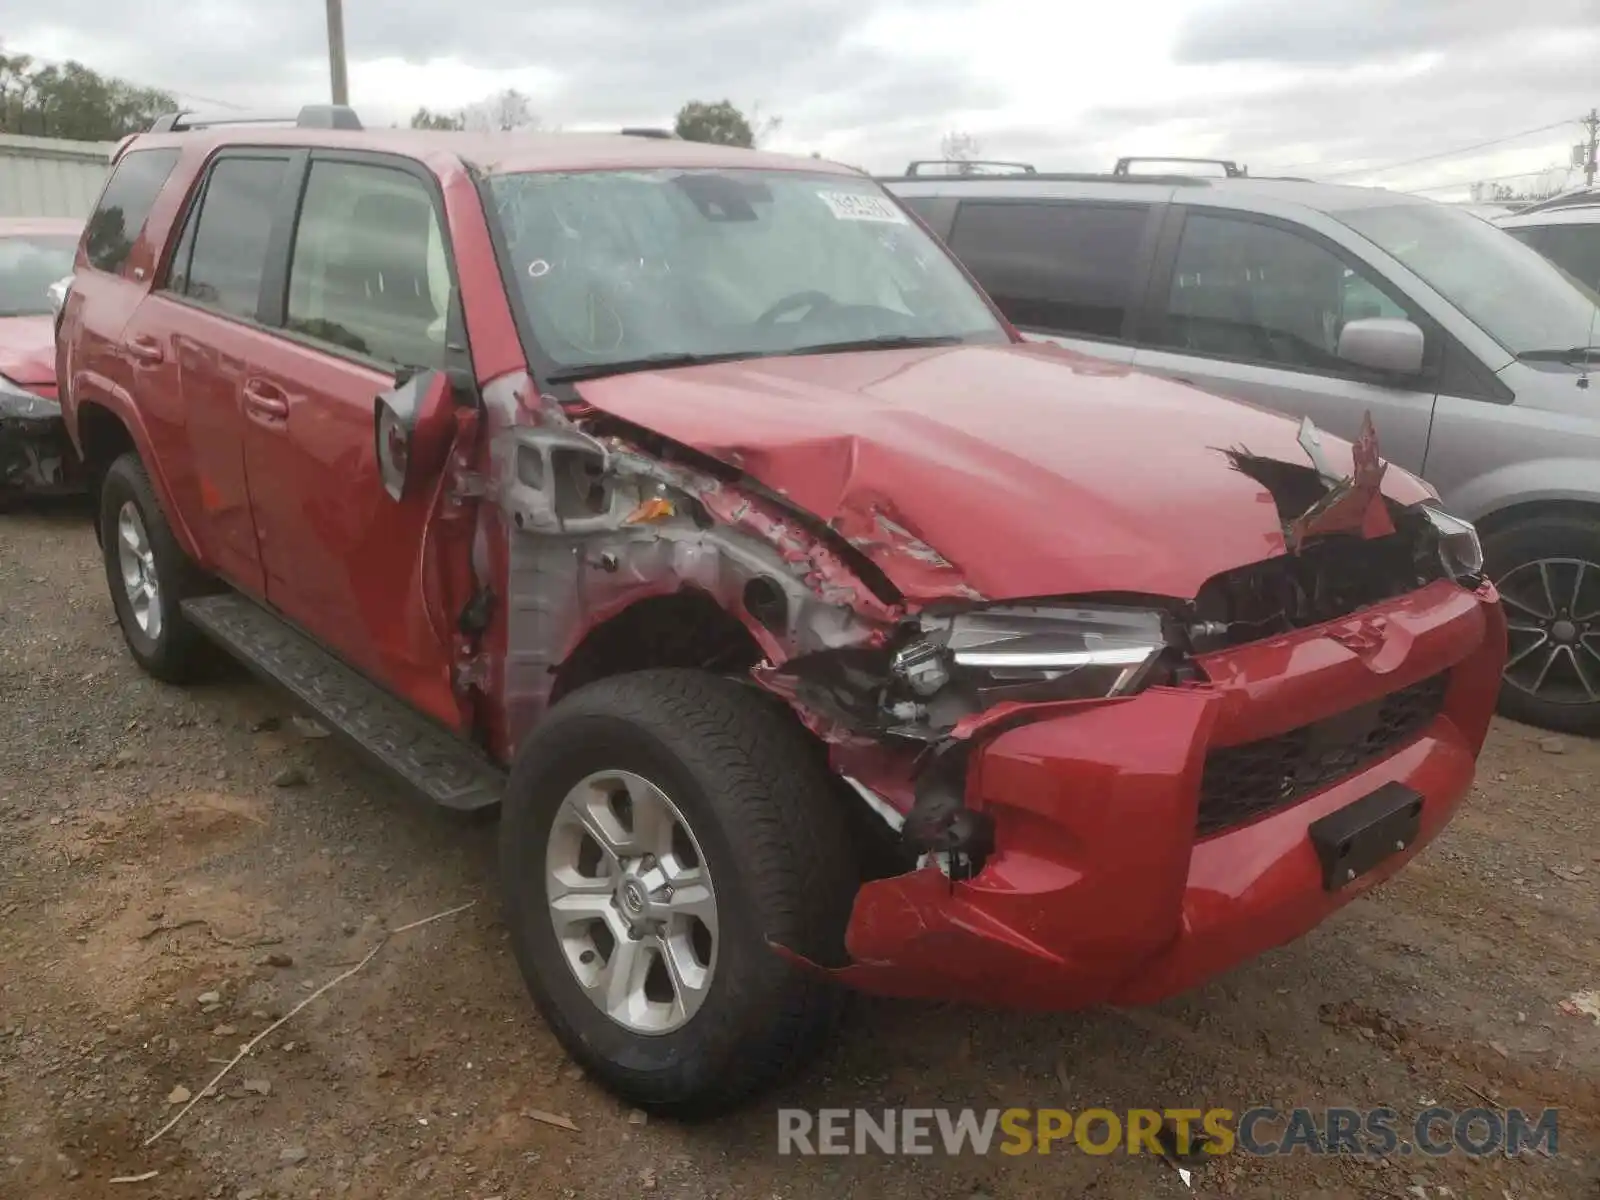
point(811, 629)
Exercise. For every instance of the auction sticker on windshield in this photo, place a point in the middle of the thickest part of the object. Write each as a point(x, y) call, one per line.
point(859, 206)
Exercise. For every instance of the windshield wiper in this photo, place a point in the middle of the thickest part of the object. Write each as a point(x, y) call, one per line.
point(888, 342)
point(652, 362)
point(1576, 354)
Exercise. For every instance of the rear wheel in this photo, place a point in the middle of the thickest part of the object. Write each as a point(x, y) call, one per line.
point(1548, 572)
point(149, 575)
point(659, 830)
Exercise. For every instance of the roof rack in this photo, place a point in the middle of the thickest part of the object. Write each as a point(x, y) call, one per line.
point(964, 166)
point(310, 116)
point(643, 131)
point(1230, 169)
point(1573, 199)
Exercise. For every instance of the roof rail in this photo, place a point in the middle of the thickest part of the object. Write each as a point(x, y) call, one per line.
point(643, 131)
point(964, 166)
point(1571, 199)
point(1230, 168)
point(310, 116)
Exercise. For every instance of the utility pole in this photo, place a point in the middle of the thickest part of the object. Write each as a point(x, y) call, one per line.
point(341, 85)
point(1592, 124)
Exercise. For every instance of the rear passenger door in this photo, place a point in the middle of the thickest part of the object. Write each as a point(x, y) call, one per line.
point(1064, 271)
point(204, 324)
point(1251, 307)
point(367, 289)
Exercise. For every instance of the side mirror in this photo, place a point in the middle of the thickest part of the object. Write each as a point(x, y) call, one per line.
point(57, 292)
point(412, 426)
point(1390, 344)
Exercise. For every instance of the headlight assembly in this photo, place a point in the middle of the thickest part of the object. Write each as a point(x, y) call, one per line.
point(1460, 551)
point(1042, 652)
point(18, 403)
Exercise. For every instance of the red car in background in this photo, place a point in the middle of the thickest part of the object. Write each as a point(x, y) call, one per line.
point(694, 505)
point(36, 255)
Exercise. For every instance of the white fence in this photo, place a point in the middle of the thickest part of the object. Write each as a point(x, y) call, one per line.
point(50, 177)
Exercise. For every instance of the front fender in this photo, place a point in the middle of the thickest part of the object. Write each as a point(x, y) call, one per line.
point(1530, 481)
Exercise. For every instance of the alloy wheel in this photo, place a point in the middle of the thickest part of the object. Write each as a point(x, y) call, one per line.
point(1552, 608)
point(632, 902)
point(138, 563)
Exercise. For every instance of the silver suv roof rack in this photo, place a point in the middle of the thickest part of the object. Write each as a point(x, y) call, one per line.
point(1230, 169)
point(965, 166)
point(311, 116)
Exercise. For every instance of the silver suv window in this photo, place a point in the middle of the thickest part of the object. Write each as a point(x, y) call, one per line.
point(1250, 291)
point(1508, 290)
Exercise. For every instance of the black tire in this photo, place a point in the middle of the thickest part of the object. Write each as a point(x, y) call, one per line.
point(177, 653)
point(1555, 536)
point(761, 803)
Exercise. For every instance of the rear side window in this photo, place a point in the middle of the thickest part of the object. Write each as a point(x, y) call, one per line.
point(938, 212)
point(222, 254)
point(124, 205)
point(1573, 248)
point(369, 272)
point(1063, 268)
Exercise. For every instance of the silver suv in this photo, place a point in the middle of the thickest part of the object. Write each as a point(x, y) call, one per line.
point(1471, 351)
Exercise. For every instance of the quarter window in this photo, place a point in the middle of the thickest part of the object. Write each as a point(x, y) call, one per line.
point(369, 272)
point(222, 253)
point(1065, 268)
point(124, 205)
point(1254, 292)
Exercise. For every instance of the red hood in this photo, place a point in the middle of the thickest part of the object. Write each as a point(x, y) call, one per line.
point(1035, 472)
point(28, 350)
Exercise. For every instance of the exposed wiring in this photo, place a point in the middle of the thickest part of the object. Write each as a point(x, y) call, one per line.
point(1460, 150)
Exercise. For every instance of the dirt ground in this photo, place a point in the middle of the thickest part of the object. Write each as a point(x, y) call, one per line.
point(178, 869)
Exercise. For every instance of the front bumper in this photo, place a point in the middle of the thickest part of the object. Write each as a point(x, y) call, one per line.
point(36, 456)
point(1100, 889)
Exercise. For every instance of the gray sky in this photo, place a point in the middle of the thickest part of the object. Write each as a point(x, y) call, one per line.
point(1298, 85)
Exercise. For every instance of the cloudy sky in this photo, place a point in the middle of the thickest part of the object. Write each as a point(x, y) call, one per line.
point(1304, 86)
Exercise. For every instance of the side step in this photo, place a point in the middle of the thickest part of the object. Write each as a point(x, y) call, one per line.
point(427, 758)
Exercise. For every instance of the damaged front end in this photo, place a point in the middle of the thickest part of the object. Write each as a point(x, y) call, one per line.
point(35, 453)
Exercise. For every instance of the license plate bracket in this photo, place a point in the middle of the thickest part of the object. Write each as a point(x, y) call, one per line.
point(1352, 840)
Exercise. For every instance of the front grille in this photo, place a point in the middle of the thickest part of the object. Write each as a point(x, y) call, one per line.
point(1241, 783)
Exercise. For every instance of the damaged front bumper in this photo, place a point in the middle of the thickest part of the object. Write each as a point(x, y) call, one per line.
point(36, 457)
point(1141, 845)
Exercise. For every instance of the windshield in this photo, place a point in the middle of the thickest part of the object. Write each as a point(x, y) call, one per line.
point(29, 264)
point(1508, 290)
point(614, 267)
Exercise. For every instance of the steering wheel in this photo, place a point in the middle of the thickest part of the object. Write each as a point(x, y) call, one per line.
point(795, 300)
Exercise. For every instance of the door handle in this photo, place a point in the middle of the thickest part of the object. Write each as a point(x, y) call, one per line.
point(266, 400)
point(144, 350)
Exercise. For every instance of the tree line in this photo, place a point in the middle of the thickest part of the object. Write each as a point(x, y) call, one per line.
point(71, 101)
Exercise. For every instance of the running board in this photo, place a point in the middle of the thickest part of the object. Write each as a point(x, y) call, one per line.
point(429, 759)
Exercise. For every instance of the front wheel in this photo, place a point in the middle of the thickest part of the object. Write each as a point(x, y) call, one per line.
point(1548, 571)
point(660, 830)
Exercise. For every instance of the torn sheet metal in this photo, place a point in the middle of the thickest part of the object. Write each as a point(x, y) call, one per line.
point(1353, 505)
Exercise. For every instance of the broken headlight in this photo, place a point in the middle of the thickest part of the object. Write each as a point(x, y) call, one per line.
point(1460, 551)
point(1042, 652)
point(18, 402)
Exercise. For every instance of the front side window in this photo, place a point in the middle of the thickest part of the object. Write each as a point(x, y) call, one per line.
point(615, 267)
point(1508, 290)
point(1254, 292)
point(222, 255)
point(369, 273)
point(29, 264)
point(124, 205)
point(1057, 267)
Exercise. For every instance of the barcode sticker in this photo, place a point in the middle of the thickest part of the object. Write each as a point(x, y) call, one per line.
point(860, 206)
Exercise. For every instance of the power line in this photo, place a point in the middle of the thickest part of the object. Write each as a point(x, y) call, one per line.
point(1411, 162)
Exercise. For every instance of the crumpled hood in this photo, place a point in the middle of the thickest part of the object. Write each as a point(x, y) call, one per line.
point(28, 350)
point(1034, 471)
